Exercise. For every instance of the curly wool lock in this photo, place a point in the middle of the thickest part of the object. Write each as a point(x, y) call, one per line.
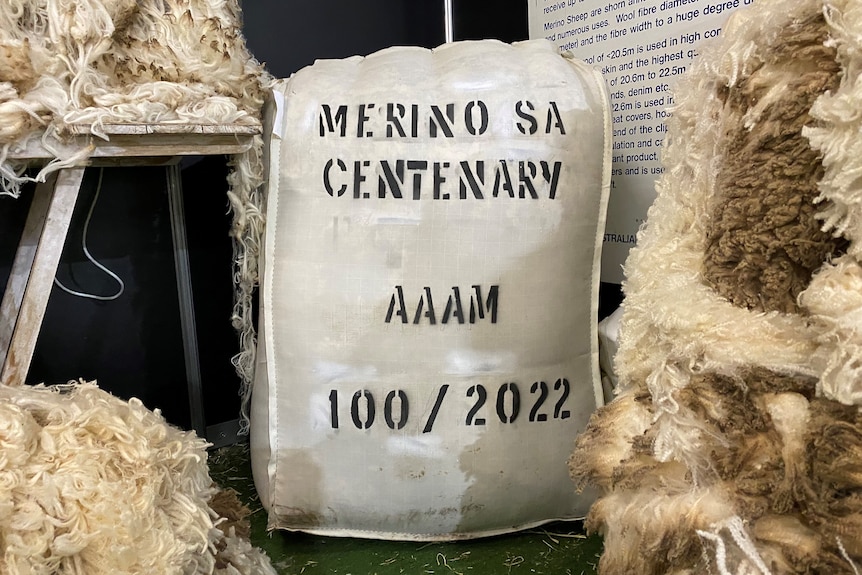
point(91, 485)
point(750, 461)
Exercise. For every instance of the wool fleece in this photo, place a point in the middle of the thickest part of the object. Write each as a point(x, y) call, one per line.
point(96, 62)
point(734, 445)
point(93, 485)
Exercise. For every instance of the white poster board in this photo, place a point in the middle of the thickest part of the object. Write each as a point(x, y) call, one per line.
point(641, 48)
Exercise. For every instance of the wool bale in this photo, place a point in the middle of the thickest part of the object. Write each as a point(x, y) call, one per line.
point(739, 332)
point(429, 301)
point(91, 484)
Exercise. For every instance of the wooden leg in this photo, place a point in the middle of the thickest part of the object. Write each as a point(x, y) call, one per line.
point(186, 300)
point(33, 270)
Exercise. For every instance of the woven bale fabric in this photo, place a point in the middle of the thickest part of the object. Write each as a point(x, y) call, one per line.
point(428, 343)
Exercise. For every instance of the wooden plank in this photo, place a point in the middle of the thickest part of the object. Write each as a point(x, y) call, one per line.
point(22, 263)
point(142, 140)
point(62, 197)
point(146, 129)
point(171, 145)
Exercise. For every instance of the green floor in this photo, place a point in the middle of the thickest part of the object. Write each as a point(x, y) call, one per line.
point(555, 549)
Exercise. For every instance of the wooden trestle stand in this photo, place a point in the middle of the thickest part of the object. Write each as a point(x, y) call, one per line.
point(26, 296)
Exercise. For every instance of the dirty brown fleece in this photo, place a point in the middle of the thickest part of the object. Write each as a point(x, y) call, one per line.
point(763, 241)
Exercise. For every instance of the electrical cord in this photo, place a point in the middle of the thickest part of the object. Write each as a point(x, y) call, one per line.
point(91, 258)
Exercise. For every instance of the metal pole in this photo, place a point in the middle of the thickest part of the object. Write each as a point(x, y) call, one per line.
point(449, 21)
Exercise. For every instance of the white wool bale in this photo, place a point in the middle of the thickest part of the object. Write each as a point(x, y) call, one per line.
point(428, 345)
